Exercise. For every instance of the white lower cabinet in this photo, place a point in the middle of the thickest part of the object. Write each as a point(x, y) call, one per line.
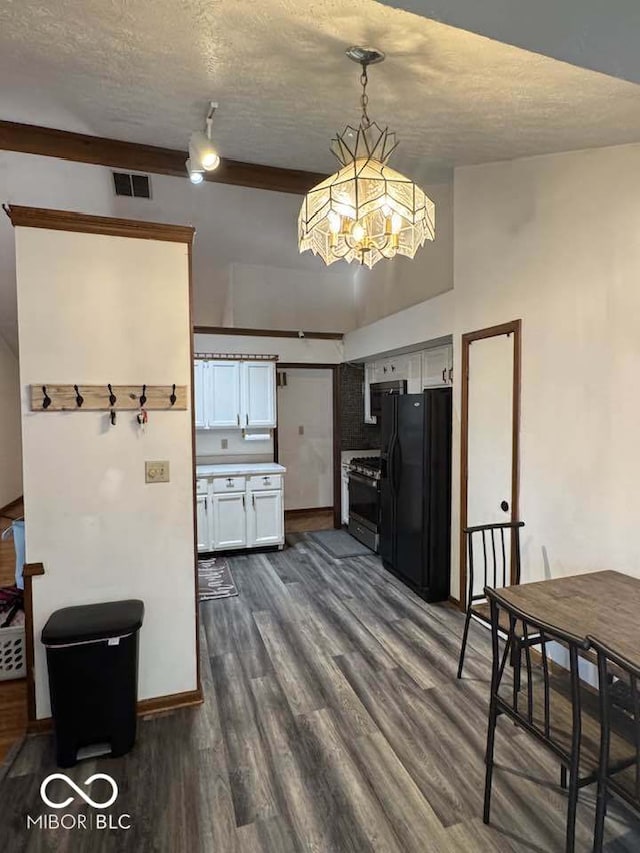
point(266, 519)
point(228, 520)
point(240, 512)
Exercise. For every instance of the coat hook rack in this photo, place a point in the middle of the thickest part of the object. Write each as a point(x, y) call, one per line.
point(107, 397)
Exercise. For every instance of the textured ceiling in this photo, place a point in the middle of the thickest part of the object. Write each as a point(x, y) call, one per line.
point(145, 70)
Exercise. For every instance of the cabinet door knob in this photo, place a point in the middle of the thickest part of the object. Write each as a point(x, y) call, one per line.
point(253, 501)
point(451, 374)
point(266, 481)
point(444, 374)
point(238, 417)
point(247, 419)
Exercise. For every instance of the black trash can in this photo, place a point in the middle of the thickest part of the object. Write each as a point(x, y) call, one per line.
point(92, 657)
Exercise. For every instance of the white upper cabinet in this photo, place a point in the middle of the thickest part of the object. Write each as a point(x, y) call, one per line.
point(236, 394)
point(258, 394)
point(437, 366)
point(199, 390)
point(224, 391)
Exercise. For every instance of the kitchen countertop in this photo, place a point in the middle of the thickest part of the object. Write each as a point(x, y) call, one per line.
point(239, 469)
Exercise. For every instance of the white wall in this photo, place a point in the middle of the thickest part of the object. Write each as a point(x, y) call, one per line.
point(10, 439)
point(99, 309)
point(306, 401)
point(394, 285)
point(555, 241)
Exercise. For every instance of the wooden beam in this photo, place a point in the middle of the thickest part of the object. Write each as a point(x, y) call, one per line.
point(69, 220)
point(132, 156)
point(266, 333)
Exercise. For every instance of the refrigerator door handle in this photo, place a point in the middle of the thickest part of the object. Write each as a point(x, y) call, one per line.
point(390, 458)
point(395, 471)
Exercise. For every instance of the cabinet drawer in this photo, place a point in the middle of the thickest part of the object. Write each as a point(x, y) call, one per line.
point(229, 484)
point(202, 486)
point(260, 482)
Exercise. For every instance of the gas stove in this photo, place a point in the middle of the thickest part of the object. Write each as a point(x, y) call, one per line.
point(367, 466)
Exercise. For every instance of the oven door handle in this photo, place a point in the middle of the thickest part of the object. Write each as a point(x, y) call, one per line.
point(367, 481)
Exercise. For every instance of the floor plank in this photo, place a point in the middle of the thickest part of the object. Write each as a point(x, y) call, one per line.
point(333, 722)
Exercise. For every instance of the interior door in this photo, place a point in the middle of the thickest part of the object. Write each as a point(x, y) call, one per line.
point(491, 454)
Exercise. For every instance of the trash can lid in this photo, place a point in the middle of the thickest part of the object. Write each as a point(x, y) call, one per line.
point(90, 622)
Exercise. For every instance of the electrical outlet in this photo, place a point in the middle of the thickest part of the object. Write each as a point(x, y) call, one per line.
point(156, 472)
point(224, 443)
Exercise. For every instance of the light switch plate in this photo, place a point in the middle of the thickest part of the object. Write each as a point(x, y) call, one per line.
point(156, 472)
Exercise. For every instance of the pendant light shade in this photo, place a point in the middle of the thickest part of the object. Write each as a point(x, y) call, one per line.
point(366, 211)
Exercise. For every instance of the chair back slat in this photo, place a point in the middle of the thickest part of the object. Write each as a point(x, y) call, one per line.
point(489, 561)
point(619, 769)
point(541, 705)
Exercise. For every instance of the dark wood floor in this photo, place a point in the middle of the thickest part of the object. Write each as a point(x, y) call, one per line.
point(333, 722)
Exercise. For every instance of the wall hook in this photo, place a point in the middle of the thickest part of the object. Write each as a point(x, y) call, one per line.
point(143, 396)
point(112, 398)
point(79, 397)
point(46, 402)
point(172, 396)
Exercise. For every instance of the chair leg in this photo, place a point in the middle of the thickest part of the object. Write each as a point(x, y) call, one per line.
point(601, 811)
point(491, 736)
point(563, 777)
point(463, 648)
point(572, 808)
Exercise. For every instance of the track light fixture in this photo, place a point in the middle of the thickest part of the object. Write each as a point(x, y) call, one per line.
point(196, 176)
point(202, 154)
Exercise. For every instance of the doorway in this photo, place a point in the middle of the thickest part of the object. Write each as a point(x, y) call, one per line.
point(307, 444)
point(490, 433)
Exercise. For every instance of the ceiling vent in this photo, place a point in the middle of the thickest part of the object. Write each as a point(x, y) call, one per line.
point(137, 186)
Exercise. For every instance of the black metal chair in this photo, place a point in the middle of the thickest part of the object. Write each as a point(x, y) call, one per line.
point(551, 707)
point(491, 540)
point(619, 765)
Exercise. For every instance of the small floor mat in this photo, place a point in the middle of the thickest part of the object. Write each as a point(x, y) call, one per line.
point(339, 544)
point(215, 579)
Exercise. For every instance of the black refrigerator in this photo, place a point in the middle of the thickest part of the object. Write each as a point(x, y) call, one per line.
point(415, 490)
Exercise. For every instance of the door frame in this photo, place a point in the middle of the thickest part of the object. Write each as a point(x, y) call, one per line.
point(514, 327)
point(337, 427)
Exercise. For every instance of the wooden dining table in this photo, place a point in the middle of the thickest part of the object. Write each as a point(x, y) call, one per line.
point(599, 605)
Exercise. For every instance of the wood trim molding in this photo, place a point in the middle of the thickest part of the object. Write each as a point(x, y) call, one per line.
point(144, 708)
point(68, 220)
point(8, 507)
point(512, 328)
point(337, 429)
point(313, 510)
point(267, 333)
point(132, 156)
point(30, 570)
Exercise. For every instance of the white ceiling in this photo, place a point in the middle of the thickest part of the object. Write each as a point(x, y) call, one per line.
point(145, 70)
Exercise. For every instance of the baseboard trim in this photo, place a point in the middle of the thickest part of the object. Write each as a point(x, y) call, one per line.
point(5, 509)
point(145, 708)
point(314, 510)
point(455, 602)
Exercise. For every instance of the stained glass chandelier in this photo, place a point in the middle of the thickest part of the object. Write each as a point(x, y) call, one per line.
point(366, 211)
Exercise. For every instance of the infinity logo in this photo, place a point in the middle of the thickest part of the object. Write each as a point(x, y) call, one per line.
point(73, 786)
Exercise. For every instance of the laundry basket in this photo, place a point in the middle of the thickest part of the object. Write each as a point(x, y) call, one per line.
point(13, 657)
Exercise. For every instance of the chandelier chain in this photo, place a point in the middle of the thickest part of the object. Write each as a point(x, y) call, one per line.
point(365, 121)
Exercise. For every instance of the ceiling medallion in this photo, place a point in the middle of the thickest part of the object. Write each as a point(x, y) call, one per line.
point(366, 211)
